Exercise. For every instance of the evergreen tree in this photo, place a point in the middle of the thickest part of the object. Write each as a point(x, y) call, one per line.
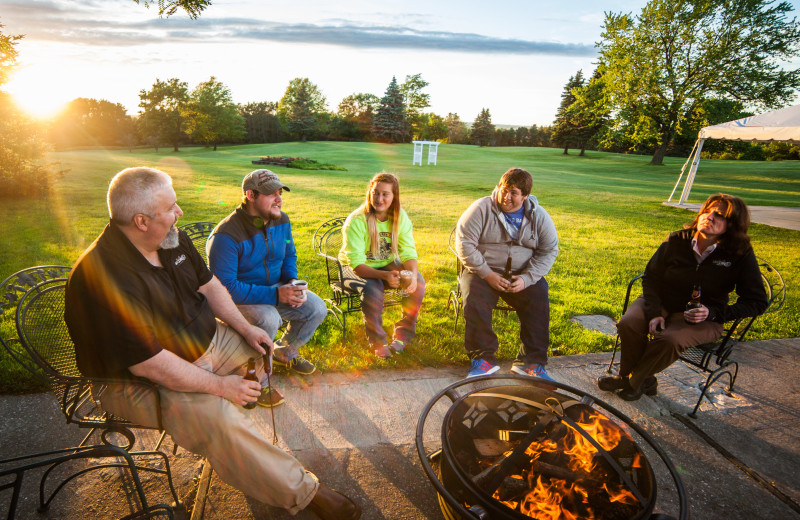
point(482, 129)
point(390, 124)
point(261, 122)
point(565, 127)
point(589, 113)
point(457, 131)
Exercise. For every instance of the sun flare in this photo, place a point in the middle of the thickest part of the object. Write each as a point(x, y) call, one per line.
point(37, 92)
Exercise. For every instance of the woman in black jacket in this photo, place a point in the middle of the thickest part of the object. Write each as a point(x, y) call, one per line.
point(714, 254)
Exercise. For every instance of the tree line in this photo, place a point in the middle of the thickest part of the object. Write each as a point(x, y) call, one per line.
point(173, 115)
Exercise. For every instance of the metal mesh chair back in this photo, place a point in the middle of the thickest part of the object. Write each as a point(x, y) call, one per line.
point(199, 233)
point(15, 286)
point(41, 328)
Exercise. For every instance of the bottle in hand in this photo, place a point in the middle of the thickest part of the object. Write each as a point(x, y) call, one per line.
point(251, 376)
point(694, 301)
point(507, 272)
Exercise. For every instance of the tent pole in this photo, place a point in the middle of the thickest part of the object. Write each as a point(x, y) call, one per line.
point(692, 172)
point(683, 168)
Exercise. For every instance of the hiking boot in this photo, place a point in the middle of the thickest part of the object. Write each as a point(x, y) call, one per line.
point(481, 367)
point(532, 370)
point(382, 351)
point(269, 397)
point(298, 364)
point(397, 346)
point(611, 383)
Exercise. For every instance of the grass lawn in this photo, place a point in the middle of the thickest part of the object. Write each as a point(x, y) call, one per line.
point(607, 209)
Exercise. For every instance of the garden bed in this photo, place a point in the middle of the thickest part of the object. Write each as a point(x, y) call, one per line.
point(301, 163)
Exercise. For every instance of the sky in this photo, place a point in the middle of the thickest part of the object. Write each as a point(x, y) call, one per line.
point(510, 56)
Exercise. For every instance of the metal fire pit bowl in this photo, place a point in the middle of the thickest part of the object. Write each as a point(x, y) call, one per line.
point(476, 407)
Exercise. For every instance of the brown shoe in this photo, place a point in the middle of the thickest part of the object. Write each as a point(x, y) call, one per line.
point(332, 505)
point(269, 397)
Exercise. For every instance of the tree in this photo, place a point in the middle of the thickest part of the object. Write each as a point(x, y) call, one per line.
point(357, 111)
point(565, 127)
point(482, 129)
point(300, 108)
point(261, 122)
point(22, 173)
point(91, 122)
point(164, 112)
point(589, 113)
point(213, 116)
point(390, 124)
point(457, 131)
point(169, 7)
point(661, 64)
point(415, 102)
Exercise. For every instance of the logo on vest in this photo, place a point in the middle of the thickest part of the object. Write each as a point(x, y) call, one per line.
point(179, 260)
point(722, 263)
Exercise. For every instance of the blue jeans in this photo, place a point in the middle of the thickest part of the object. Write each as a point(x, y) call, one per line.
point(303, 322)
point(532, 305)
point(372, 309)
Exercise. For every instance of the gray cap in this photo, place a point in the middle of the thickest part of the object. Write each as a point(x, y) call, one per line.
point(263, 181)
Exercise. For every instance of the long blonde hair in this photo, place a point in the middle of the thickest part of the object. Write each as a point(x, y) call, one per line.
point(394, 212)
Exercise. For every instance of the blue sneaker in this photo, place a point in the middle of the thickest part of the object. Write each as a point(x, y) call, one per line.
point(532, 370)
point(481, 367)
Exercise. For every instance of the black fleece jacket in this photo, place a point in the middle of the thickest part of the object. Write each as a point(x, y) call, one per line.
point(673, 270)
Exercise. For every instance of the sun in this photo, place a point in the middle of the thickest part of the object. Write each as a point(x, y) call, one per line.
point(36, 91)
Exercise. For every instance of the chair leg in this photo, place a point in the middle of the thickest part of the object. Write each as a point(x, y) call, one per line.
point(710, 380)
point(613, 355)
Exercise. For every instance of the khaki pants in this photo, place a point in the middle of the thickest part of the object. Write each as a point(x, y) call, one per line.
point(641, 357)
point(222, 431)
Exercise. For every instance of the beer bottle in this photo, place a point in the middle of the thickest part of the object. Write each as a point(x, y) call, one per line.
point(694, 301)
point(251, 376)
point(507, 272)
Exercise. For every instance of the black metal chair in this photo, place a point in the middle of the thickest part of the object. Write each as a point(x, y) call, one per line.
point(199, 232)
point(455, 298)
point(345, 284)
point(45, 348)
point(16, 468)
point(16, 285)
point(714, 358)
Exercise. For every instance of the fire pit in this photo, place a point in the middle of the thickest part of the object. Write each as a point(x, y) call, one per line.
point(513, 447)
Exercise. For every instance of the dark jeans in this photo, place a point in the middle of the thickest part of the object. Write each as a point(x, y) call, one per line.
point(533, 309)
point(372, 309)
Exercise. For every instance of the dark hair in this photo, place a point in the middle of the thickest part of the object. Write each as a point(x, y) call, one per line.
point(737, 216)
point(517, 178)
point(255, 196)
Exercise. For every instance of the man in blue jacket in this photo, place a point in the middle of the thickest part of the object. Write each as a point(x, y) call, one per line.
point(253, 254)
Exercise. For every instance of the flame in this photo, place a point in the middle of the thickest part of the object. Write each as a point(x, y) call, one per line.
point(553, 498)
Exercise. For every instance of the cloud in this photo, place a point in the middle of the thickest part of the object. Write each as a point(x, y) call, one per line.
point(51, 21)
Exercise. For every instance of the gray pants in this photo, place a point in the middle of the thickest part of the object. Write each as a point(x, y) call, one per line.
point(303, 322)
point(641, 357)
point(222, 431)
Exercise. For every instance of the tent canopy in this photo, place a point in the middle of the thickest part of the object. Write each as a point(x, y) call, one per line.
point(779, 125)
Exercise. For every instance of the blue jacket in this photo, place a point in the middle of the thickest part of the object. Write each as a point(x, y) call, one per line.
point(252, 259)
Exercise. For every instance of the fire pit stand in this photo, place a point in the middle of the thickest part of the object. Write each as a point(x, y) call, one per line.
point(515, 447)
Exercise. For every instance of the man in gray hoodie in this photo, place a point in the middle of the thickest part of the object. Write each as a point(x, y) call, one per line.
point(507, 243)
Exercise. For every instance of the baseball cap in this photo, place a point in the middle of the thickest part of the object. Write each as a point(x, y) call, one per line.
point(262, 181)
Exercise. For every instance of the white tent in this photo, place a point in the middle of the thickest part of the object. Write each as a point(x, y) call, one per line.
point(779, 125)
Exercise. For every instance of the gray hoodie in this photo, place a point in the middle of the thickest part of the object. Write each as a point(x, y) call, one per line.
point(483, 243)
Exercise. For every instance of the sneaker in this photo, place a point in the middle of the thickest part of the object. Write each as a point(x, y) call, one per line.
point(269, 397)
point(397, 346)
point(382, 351)
point(298, 364)
point(481, 367)
point(532, 370)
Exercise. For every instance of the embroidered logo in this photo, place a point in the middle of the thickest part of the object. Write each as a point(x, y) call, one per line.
point(722, 263)
point(179, 260)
